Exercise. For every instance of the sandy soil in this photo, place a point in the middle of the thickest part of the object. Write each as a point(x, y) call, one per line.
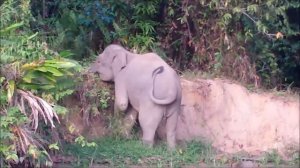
point(234, 119)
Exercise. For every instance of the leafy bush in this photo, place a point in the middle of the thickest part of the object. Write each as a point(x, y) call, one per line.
point(78, 26)
point(135, 23)
point(252, 41)
point(29, 71)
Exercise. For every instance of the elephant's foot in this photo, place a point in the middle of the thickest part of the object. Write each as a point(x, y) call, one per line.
point(122, 106)
point(171, 147)
point(171, 141)
point(148, 143)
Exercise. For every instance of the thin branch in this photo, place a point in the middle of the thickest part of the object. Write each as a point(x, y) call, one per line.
point(246, 14)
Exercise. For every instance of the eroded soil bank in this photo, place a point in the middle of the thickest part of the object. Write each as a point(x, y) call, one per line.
point(234, 119)
point(223, 113)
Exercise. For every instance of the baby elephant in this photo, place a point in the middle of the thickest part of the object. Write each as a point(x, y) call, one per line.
point(148, 83)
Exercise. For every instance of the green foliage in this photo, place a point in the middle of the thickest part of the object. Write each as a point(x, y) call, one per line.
point(259, 34)
point(14, 12)
point(13, 117)
point(60, 110)
point(257, 39)
point(83, 142)
point(79, 25)
point(272, 156)
point(104, 96)
point(135, 23)
point(28, 69)
point(54, 146)
point(270, 27)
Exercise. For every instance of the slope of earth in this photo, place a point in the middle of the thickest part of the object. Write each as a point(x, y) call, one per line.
point(234, 119)
point(217, 111)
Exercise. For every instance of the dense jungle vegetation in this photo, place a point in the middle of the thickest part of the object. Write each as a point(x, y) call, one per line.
point(46, 45)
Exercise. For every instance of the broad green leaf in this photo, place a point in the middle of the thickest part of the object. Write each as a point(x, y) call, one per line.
point(66, 54)
point(27, 78)
point(53, 70)
point(36, 86)
point(49, 77)
point(60, 63)
point(32, 74)
point(31, 65)
point(10, 90)
point(67, 65)
point(46, 86)
point(66, 72)
point(29, 75)
point(42, 68)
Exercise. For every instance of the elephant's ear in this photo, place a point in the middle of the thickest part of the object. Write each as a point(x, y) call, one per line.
point(119, 62)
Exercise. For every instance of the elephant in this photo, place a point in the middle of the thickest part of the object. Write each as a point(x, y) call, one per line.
point(145, 85)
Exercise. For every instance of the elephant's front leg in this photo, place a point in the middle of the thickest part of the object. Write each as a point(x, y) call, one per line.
point(121, 97)
point(129, 122)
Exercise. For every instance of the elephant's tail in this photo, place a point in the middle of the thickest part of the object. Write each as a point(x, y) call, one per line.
point(164, 88)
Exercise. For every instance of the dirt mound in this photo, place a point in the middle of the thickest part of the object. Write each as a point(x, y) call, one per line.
point(234, 119)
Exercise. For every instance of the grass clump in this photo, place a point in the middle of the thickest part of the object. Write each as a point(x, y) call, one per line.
point(118, 152)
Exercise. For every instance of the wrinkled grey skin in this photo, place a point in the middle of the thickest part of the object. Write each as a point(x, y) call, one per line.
point(145, 81)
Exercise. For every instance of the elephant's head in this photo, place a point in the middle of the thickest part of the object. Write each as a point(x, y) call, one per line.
point(109, 63)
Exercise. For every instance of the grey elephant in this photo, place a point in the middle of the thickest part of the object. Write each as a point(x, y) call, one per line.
point(146, 84)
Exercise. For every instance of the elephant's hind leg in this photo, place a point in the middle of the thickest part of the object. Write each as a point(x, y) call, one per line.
point(172, 117)
point(149, 118)
point(171, 130)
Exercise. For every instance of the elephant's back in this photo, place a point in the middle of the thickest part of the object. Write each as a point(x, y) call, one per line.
point(142, 67)
point(148, 63)
point(140, 76)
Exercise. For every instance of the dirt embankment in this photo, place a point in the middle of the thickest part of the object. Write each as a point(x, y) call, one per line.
point(234, 119)
point(223, 113)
